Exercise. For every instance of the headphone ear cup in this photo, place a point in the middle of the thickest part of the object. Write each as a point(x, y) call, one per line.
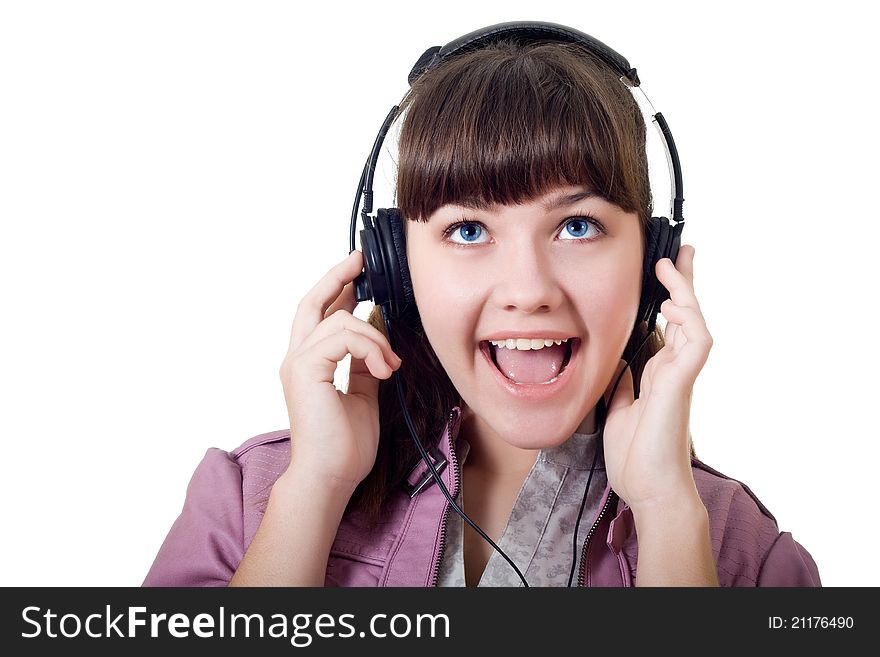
point(649, 279)
point(394, 275)
point(398, 239)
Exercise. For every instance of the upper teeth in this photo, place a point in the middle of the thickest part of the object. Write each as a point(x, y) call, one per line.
point(524, 344)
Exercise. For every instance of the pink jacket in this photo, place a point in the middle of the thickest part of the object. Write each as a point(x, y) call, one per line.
point(228, 492)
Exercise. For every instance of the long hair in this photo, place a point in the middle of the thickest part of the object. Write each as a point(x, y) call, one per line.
point(502, 124)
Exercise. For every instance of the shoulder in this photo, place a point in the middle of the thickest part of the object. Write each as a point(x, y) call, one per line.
point(742, 528)
point(257, 463)
point(265, 455)
point(262, 460)
point(728, 496)
point(271, 443)
point(238, 482)
point(746, 539)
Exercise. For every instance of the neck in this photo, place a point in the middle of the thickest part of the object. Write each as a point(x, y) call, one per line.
point(490, 454)
point(589, 424)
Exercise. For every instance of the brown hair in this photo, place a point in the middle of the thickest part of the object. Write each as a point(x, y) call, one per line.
point(502, 124)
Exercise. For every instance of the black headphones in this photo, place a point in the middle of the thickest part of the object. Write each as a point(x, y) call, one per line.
point(386, 279)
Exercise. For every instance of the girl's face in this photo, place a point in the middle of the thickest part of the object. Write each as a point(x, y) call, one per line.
point(515, 269)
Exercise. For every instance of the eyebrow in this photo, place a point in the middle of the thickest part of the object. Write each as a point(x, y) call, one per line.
point(559, 201)
point(565, 200)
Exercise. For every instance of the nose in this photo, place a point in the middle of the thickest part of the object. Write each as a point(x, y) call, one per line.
point(530, 282)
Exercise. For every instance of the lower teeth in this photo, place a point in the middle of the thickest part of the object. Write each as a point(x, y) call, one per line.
point(545, 383)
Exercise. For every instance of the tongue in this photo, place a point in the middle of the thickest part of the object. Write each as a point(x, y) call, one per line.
point(533, 366)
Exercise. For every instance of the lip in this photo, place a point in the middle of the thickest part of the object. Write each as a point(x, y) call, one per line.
point(535, 391)
point(513, 333)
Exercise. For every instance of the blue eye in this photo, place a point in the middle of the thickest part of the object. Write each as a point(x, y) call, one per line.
point(470, 231)
point(580, 224)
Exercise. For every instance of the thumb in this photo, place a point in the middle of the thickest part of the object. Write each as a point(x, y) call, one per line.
point(624, 395)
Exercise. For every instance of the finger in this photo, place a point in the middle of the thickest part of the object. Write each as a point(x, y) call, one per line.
point(361, 380)
point(684, 262)
point(342, 320)
point(311, 308)
point(692, 340)
point(690, 322)
point(679, 283)
point(670, 330)
point(673, 337)
point(680, 289)
point(680, 315)
point(685, 265)
point(336, 346)
point(345, 301)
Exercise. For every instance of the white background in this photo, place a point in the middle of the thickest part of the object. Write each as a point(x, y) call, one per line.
point(175, 176)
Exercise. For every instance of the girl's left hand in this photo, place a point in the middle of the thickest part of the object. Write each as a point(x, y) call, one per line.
point(646, 449)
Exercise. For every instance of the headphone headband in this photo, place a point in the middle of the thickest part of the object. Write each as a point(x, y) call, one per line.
point(527, 31)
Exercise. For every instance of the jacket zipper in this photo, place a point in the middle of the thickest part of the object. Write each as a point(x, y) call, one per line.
point(583, 565)
point(435, 574)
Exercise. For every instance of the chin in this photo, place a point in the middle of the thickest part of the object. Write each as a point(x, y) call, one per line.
point(532, 431)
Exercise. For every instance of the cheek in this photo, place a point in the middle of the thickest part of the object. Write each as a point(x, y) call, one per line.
point(609, 307)
point(436, 294)
point(449, 307)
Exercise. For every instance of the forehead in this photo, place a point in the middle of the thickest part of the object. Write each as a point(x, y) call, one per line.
point(558, 197)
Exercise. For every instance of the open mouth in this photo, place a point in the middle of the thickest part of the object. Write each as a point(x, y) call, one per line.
point(490, 352)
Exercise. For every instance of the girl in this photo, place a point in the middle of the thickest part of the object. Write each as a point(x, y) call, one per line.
point(523, 182)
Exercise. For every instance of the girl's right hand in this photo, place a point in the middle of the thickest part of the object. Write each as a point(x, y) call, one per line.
point(334, 435)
